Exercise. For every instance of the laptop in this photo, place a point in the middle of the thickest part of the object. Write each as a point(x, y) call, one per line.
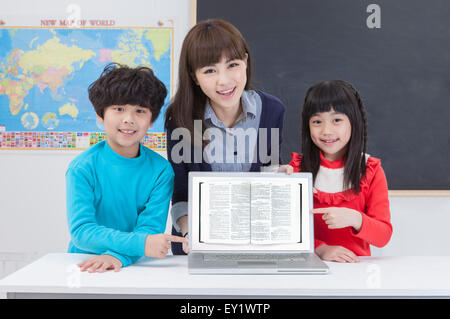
point(251, 223)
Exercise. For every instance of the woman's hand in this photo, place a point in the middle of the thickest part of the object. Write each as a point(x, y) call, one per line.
point(182, 222)
point(288, 169)
point(186, 245)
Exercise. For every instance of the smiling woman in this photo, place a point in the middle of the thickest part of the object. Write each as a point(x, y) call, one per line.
point(206, 44)
point(223, 83)
point(215, 72)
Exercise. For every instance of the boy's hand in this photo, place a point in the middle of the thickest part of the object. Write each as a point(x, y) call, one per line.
point(288, 169)
point(100, 264)
point(340, 217)
point(336, 253)
point(158, 245)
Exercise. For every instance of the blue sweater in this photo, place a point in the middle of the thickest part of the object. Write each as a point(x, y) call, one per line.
point(114, 202)
point(272, 116)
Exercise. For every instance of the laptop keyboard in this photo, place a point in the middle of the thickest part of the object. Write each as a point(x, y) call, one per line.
point(252, 257)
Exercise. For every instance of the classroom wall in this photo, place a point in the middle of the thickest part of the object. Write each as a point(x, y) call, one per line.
point(32, 189)
point(32, 206)
point(33, 216)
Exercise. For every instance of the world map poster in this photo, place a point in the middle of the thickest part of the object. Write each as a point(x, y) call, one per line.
point(45, 73)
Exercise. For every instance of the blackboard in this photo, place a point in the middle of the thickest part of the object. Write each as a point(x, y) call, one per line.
point(401, 67)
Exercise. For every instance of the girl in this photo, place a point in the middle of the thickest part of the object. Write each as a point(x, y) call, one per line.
point(214, 95)
point(350, 189)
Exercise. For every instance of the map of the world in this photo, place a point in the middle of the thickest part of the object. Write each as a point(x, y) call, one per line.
point(45, 73)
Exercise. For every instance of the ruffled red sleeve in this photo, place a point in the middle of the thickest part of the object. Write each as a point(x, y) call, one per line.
point(296, 161)
point(376, 226)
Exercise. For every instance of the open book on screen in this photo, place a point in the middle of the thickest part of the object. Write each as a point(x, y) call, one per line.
point(250, 212)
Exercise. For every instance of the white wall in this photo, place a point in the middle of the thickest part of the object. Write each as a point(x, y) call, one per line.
point(32, 206)
point(33, 215)
point(32, 201)
point(32, 186)
point(421, 227)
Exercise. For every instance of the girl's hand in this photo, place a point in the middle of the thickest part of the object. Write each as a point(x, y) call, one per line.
point(100, 264)
point(288, 169)
point(340, 217)
point(336, 253)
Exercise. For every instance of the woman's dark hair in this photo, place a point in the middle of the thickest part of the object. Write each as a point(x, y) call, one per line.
point(121, 85)
point(342, 97)
point(205, 44)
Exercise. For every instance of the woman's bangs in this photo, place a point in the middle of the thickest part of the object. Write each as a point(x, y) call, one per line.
point(211, 46)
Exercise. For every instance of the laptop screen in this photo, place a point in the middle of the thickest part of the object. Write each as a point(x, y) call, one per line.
point(250, 212)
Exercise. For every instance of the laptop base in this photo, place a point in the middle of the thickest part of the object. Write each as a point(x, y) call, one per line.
point(307, 264)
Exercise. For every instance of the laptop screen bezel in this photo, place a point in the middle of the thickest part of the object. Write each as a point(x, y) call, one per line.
point(307, 231)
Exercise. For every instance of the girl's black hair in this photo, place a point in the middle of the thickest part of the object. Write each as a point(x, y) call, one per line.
point(342, 97)
point(121, 85)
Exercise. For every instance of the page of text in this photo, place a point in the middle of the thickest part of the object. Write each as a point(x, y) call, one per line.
point(225, 213)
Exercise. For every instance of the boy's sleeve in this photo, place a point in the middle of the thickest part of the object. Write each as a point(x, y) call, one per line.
point(85, 232)
point(153, 219)
point(125, 260)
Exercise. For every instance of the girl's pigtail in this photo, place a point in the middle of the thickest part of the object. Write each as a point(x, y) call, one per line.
point(356, 173)
point(362, 109)
point(363, 113)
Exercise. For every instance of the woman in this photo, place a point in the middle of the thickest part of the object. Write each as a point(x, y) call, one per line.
point(216, 110)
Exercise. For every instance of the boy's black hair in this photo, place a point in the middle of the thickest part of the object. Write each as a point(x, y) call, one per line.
point(120, 85)
point(343, 98)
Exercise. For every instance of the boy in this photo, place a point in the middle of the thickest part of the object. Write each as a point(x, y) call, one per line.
point(118, 191)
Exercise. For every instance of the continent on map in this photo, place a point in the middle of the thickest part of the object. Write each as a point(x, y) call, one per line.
point(161, 41)
point(50, 121)
point(130, 50)
point(30, 120)
point(45, 66)
point(69, 109)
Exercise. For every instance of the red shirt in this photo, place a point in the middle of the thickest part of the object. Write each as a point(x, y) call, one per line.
point(372, 202)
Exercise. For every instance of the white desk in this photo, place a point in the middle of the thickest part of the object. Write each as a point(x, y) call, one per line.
point(57, 276)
